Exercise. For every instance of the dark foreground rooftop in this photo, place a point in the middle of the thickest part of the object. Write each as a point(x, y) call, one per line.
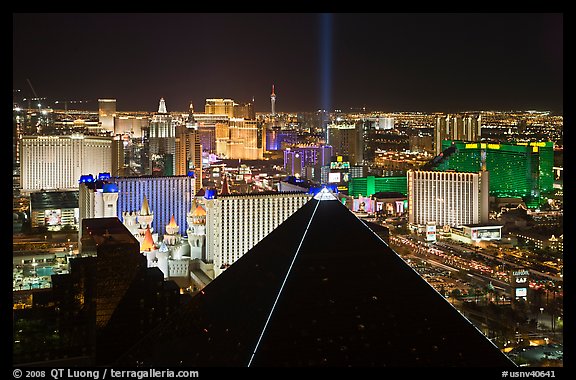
point(320, 290)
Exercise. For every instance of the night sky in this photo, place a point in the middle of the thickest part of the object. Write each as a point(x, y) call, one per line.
point(388, 62)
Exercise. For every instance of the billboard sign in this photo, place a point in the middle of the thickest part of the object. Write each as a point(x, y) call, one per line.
point(430, 232)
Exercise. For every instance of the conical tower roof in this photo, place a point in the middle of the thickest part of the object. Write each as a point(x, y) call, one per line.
point(145, 208)
point(192, 207)
point(148, 242)
point(163, 247)
point(172, 222)
point(199, 211)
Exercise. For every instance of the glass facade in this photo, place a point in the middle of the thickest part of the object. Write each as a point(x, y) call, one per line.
point(367, 186)
point(516, 170)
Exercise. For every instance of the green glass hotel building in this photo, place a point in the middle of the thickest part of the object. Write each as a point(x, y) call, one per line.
point(522, 169)
point(368, 186)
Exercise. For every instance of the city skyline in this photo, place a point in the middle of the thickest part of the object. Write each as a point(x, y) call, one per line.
point(295, 189)
point(394, 62)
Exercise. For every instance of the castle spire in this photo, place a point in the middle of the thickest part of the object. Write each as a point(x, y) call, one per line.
point(148, 242)
point(145, 208)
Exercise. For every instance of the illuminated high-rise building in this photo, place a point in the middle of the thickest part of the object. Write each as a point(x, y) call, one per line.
point(118, 160)
point(383, 122)
point(207, 124)
point(189, 149)
point(273, 101)
point(516, 169)
point(368, 186)
point(131, 125)
point(106, 114)
point(240, 139)
point(162, 141)
point(236, 223)
point(346, 140)
point(219, 106)
point(280, 139)
point(447, 198)
point(235, 137)
point(245, 111)
point(298, 159)
point(456, 127)
point(57, 162)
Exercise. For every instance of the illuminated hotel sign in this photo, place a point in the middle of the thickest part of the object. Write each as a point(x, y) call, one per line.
point(431, 231)
point(334, 177)
point(519, 283)
point(340, 164)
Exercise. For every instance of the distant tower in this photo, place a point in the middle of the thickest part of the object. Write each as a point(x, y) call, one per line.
point(273, 101)
point(162, 106)
point(191, 121)
point(106, 114)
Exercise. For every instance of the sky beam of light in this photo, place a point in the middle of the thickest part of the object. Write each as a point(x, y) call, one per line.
point(326, 61)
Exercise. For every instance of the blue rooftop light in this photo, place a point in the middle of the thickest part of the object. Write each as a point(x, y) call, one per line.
point(86, 178)
point(110, 188)
point(104, 176)
point(210, 193)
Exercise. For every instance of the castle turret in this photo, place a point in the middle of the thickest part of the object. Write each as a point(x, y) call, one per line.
point(145, 216)
point(197, 232)
point(172, 237)
point(129, 221)
point(162, 259)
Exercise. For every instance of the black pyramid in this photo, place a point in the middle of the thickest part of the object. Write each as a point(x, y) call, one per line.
point(320, 290)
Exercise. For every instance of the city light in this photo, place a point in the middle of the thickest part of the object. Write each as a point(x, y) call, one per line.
point(170, 207)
